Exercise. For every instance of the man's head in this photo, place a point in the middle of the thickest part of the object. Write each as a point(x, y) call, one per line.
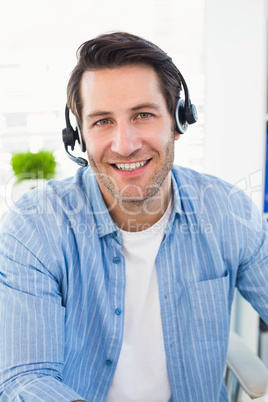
point(117, 50)
point(124, 92)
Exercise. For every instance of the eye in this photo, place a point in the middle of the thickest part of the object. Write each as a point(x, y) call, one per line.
point(102, 122)
point(144, 115)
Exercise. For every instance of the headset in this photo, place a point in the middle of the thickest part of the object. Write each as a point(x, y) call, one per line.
point(69, 136)
point(186, 113)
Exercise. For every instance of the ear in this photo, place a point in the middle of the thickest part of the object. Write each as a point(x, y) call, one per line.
point(176, 136)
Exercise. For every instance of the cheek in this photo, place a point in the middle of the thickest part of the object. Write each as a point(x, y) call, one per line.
point(97, 150)
point(94, 150)
point(164, 140)
point(93, 144)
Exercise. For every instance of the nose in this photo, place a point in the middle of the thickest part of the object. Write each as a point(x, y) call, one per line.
point(125, 140)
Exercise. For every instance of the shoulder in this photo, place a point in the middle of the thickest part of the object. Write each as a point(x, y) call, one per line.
point(191, 181)
point(40, 220)
point(48, 206)
point(213, 196)
point(40, 199)
point(188, 176)
point(201, 187)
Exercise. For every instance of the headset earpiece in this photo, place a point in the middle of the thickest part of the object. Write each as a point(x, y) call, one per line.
point(191, 114)
point(186, 112)
point(181, 123)
point(80, 139)
point(69, 136)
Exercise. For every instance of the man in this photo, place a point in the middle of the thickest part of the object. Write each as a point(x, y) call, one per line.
point(117, 284)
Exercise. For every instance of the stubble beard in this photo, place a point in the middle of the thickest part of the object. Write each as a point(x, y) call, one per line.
point(129, 201)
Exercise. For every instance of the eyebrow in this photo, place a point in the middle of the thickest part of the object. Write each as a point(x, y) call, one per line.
point(146, 105)
point(99, 113)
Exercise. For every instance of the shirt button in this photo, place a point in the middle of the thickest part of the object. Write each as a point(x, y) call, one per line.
point(114, 235)
point(116, 260)
point(118, 311)
point(108, 362)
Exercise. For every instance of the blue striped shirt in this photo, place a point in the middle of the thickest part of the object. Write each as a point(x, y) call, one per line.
point(62, 284)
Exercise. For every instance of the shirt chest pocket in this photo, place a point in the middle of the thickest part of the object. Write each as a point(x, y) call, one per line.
point(209, 306)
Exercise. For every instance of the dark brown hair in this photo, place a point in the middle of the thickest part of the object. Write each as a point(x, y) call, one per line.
point(116, 50)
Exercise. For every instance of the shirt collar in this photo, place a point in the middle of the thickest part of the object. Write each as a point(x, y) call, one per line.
point(177, 199)
point(188, 194)
point(104, 222)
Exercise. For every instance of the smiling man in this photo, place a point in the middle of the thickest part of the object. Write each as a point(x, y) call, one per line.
point(117, 284)
point(129, 141)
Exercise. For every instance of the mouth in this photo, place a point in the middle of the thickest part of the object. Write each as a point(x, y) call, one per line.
point(131, 166)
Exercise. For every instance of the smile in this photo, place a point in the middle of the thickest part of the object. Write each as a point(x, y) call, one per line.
point(131, 166)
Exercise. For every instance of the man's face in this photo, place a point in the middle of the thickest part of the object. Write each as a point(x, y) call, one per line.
point(128, 132)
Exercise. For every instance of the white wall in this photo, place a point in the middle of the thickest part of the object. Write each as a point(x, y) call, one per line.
point(235, 106)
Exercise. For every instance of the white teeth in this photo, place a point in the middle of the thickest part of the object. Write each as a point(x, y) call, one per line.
point(130, 166)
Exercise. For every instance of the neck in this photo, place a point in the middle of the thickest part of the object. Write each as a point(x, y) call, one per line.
point(135, 216)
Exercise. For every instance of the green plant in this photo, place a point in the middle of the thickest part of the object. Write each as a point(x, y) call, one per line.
point(26, 165)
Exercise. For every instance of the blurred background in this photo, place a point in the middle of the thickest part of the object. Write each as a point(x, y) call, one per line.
point(219, 46)
point(38, 43)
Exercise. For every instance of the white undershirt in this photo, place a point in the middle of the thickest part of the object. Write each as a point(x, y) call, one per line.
point(141, 374)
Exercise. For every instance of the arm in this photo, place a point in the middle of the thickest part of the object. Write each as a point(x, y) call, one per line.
point(252, 275)
point(31, 319)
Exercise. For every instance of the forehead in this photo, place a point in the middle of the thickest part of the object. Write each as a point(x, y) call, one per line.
point(128, 83)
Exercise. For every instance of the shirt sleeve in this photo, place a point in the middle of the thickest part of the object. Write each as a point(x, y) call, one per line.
point(32, 318)
point(252, 275)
